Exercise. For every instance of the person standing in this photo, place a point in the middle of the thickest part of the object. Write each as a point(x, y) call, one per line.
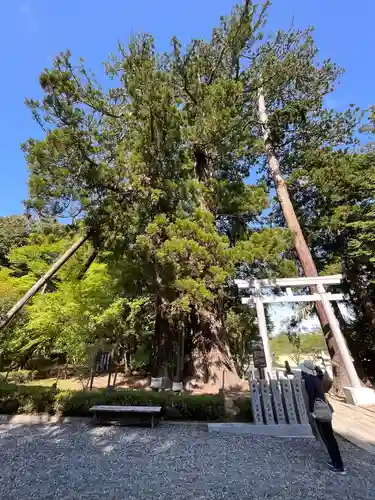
point(321, 411)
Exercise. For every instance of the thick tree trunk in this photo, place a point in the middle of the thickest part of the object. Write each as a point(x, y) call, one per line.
point(162, 345)
point(211, 359)
point(182, 357)
point(179, 355)
point(38, 285)
point(157, 340)
point(302, 250)
point(212, 363)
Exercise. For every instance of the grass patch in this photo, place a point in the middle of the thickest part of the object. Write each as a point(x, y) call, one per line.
point(62, 384)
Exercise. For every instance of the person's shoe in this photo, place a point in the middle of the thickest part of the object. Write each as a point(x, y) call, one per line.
point(342, 472)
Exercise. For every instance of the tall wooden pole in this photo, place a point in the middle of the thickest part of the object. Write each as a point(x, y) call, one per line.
point(341, 359)
point(39, 284)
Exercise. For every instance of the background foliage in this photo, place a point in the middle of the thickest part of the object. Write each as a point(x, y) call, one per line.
point(154, 163)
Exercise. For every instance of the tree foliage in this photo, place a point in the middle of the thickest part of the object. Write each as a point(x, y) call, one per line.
point(153, 159)
point(298, 347)
point(336, 208)
point(13, 233)
point(156, 166)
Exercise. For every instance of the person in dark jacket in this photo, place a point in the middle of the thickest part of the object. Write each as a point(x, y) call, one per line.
point(313, 378)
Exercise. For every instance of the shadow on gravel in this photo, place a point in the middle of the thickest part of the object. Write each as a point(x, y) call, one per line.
point(77, 461)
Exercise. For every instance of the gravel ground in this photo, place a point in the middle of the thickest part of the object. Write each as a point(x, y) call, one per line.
point(171, 463)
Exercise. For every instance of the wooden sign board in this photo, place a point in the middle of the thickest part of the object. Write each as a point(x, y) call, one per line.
point(259, 358)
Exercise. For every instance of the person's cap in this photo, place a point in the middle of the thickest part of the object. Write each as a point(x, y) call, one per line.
point(307, 367)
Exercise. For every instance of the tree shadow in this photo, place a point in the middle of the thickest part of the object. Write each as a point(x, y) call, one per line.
point(83, 461)
point(79, 461)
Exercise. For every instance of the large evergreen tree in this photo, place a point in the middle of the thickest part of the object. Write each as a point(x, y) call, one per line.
point(154, 163)
point(155, 166)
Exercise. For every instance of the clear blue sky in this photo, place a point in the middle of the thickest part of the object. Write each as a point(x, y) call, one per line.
point(32, 32)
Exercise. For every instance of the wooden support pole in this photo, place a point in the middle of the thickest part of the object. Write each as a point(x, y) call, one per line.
point(302, 249)
point(38, 285)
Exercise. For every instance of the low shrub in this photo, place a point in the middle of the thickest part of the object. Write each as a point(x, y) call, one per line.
point(26, 399)
point(245, 414)
point(183, 407)
point(78, 403)
point(37, 399)
point(195, 407)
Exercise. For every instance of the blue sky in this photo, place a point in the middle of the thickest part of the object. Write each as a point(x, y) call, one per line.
point(32, 32)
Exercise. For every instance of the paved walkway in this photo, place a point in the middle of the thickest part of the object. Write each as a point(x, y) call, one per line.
point(357, 425)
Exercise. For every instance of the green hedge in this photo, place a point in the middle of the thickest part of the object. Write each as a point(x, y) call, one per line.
point(26, 399)
point(36, 399)
point(244, 405)
point(183, 407)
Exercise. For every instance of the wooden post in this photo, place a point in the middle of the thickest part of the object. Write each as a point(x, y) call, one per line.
point(53, 270)
point(92, 375)
point(302, 249)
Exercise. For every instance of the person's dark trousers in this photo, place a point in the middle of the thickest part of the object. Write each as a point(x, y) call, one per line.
point(328, 437)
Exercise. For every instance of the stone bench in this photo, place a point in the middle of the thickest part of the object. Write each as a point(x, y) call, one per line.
point(130, 415)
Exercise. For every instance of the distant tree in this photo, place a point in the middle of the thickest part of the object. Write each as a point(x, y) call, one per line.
point(298, 347)
point(14, 230)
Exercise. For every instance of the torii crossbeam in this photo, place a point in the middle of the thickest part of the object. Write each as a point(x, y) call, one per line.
point(355, 394)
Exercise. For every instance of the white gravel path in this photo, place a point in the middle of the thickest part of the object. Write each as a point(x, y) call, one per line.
point(171, 463)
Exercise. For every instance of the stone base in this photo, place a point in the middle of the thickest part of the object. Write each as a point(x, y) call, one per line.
point(359, 396)
point(273, 430)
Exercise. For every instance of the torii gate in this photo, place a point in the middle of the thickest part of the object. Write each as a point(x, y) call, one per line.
point(355, 394)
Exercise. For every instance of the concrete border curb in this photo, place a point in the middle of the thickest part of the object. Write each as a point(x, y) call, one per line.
point(222, 428)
